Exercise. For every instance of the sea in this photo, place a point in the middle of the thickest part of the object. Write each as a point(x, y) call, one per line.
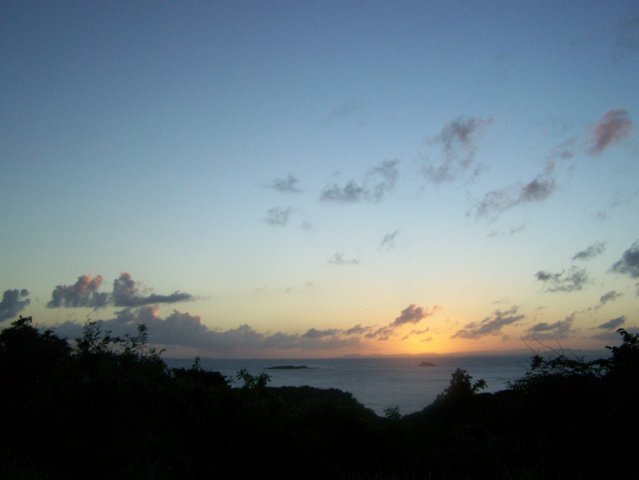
point(379, 383)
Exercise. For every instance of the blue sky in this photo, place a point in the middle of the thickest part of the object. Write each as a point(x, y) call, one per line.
point(322, 178)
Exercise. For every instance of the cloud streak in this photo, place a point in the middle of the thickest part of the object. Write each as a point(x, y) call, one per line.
point(13, 302)
point(388, 242)
point(611, 129)
point(126, 294)
point(491, 325)
point(610, 296)
point(458, 140)
point(376, 184)
point(590, 252)
point(339, 259)
point(497, 202)
point(570, 281)
point(278, 217)
point(613, 323)
point(410, 315)
point(286, 185)
point(550, 331)
point(629, 262)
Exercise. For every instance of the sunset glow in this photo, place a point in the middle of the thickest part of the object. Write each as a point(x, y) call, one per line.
point(306, 179)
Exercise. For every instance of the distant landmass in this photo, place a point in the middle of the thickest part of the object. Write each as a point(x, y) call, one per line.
point(426, 363)
point(287, 367)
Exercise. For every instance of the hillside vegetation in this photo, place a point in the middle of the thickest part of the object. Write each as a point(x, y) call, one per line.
point(103, 407)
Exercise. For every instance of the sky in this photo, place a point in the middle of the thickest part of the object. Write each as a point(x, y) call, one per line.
point(315, 179)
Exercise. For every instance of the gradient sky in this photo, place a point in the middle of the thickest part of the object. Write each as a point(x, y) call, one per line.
point(298, 178)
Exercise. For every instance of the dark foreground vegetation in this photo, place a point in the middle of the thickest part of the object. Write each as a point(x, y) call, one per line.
point(109, 408)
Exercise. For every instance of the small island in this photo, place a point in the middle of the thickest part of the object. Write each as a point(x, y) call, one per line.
point(287, 367)
point(426, 363)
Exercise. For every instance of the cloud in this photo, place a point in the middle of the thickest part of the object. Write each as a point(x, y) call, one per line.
point(377, 182)
point(491, 325)
point(349, 193)
point(278, 217)
point(388, 242)
point(570, 281)
point(126, 294)
point(611, 129)
point(356, 330)
point(286, 185)
point(458, 140)
point(417, 333)
point(629, 263)
point(339, 259)
point(496, 202)
point(613, 323)
point(590, 252)
point(13, 302)
point(83, 293)
point(563, 151)
point(549, 331)
point(608, 297)
point(186, 331)
point(411, 314)
point(537, 190)
point(507, 233)
point(408, 316)
point(314, 333)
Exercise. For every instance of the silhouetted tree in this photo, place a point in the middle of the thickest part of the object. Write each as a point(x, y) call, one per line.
point(461, 387)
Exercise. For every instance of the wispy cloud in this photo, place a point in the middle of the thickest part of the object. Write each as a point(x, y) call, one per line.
point(314, 333)
point(613, 323)
point(84, 294)
point(550, 331)
point(458, 140)
point(507, 233)
point(126, 293)
point(491, 325)
point(286, 185)
point(339, 259)
point(388, 242)
point(409, 316)
point(278, 216)
point(377, 182)
point(412, 314)
point(496, 202)
point(564, 150)
point(610, 296)
point(590, 252)
point(629, 263)
point(565, 281)
point(351, 192)
point(611, 128)
point(13, 302)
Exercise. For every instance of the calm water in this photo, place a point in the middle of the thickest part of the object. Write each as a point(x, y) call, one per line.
point(378, 383)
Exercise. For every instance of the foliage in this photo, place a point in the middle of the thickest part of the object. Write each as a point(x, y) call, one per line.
point(108, 407)
point(461, 387)
point(625, 357)
point(253, 382)
point(392, 414)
